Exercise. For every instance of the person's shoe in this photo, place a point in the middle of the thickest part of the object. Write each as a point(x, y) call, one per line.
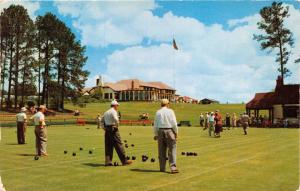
point(128, 162)
point(174, 169)
point(44, 155)
point(109, 164)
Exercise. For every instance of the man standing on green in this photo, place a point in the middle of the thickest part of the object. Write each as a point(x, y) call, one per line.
point(165, 132)
point(245, 122)
point(112, 135)
point(40, 131)
point(21, 125)
point(211, 121)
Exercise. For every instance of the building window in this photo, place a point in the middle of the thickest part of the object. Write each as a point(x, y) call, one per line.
point(106, 96)
point(141, 95)
point(290, 112)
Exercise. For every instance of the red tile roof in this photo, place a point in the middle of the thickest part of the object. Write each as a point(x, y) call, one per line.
point(137, 84)
point(261, 101)
point(161, 85)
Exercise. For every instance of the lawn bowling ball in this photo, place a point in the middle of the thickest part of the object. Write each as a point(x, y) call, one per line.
point(65, 152)
point(153, 160)
point(125, 141)
point(133, 157)
point(81, 148)
point(144, 158)
point(132, 145)
point(90, 152)
point(195, 154)
point(36, 158)
point(128, 158)
point(182, 153)
point(74, 154)
point(130, 133)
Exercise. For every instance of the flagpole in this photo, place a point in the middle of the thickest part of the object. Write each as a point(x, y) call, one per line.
point(174, 63)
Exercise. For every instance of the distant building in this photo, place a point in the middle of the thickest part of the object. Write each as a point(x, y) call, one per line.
point(208, 101)
point(186, 99)
point(133, 90)
point(283, 103)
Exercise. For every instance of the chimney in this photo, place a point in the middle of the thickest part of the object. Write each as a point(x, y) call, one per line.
point(99, 81)
point(279, 82)
point(132, 84)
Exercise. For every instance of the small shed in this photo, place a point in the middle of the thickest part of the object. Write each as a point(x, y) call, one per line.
point(208, 101)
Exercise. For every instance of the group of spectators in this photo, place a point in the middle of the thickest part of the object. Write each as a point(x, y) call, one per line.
point(235, 121)
point(214, 122)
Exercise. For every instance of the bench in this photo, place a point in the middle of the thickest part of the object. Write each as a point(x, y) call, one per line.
point(80, 122)
point(184, 123)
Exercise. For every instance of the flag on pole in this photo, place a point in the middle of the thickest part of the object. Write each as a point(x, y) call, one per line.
point(174, 44)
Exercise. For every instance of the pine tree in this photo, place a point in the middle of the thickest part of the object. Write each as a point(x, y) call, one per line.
point(276, 35)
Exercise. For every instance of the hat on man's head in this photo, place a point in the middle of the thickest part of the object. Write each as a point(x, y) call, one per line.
point(23, 109)
point(42, 107)
point(114, 102)
point(164, 101)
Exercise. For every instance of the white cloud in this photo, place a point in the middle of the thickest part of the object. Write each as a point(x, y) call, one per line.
point(105, 22)
point(211, 62)
point(31, 7)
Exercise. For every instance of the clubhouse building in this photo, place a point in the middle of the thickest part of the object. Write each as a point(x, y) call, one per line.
point(132, 90)
point(281, 104)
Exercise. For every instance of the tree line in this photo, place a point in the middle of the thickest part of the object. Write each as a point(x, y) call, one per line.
point(41, 58)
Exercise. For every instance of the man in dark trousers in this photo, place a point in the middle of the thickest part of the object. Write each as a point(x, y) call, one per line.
point(21, 125)
point(112, 135)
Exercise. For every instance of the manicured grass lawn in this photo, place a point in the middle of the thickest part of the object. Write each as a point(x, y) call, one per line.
point(266, 159)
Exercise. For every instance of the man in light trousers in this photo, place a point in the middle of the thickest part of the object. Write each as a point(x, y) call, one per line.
point(165, 132)
point(40, 131)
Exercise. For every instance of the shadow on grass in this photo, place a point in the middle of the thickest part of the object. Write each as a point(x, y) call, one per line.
point(143, 170)
point(93, 164)
point(26, 155)
point(13, 144)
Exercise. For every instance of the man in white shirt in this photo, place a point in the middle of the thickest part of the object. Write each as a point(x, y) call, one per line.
point(98, 120)
point(40, 131)
point(165, 132)
point(1, 185)
point(21, 125)
point(112, 135)
point(245, 122)
point(211, 121)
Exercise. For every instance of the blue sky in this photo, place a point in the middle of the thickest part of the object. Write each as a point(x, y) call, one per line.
point(217, 57)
